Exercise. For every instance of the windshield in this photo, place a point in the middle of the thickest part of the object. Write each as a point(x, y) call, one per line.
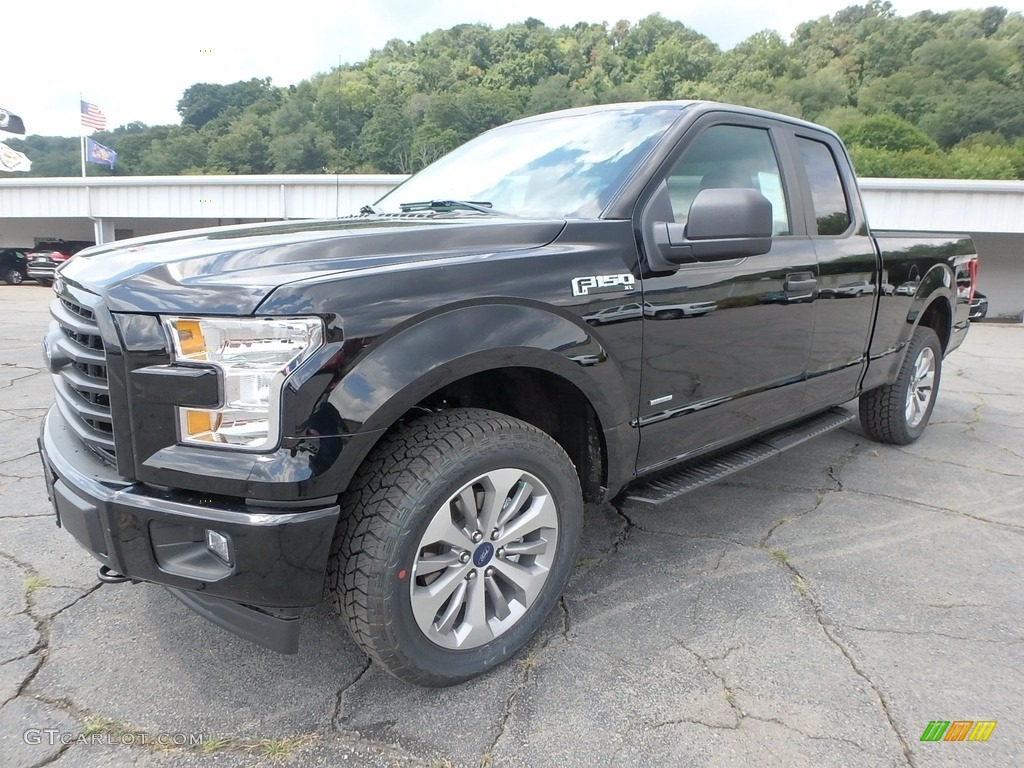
point(564, 166)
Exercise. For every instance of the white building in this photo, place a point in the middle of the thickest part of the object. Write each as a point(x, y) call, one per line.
point(114, 208)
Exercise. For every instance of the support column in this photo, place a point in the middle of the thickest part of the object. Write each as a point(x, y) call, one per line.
point(104, 229)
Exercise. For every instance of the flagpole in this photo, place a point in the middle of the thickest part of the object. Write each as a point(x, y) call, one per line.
point(81, 129)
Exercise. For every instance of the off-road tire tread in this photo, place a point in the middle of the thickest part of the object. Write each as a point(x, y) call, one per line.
point(882, 409)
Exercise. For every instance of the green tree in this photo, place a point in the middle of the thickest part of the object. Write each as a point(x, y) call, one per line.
point(871, 162)
point(180, 151)
point(984, 162)
point(243, 149)
point(204, 101)
point(386, 141)
point(887, 132)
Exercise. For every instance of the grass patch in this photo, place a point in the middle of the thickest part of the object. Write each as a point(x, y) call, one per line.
point(214, 744)
point(779, 555)
point(34, 583)
point(276, 749)
point(801, 586)
point(95, 726)
point(587, 562)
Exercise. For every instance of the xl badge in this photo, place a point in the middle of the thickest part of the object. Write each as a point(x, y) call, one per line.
point(583, 286)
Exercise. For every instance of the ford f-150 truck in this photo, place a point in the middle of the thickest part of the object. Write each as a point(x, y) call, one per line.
point(404, 411)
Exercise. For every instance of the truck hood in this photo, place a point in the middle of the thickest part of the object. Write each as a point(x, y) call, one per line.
point(230, 270)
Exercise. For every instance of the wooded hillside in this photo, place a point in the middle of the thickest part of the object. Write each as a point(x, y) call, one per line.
point(927, 95)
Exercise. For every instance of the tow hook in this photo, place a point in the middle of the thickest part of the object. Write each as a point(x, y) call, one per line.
point(107, 576)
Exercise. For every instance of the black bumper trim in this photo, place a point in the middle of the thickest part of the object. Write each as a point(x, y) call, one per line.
point(279, 557)
point(278, 632)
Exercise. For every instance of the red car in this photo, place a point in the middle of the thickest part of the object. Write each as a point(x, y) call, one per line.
point(44, 259)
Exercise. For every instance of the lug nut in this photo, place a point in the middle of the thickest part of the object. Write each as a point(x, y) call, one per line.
point(494, 534)
point(500, 552)
point(477, 536)
point(464, 558)
point(471, 576)
point(489, 572)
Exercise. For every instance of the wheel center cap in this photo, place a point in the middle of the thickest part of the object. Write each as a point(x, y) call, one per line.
point(483, 554)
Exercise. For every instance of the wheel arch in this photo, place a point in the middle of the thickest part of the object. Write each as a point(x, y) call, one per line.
point(938, 316)
point(523, 361)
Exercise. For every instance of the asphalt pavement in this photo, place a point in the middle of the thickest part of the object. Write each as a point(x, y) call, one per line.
point(822, 608)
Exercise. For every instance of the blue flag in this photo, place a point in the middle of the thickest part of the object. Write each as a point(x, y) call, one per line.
point(97, 153)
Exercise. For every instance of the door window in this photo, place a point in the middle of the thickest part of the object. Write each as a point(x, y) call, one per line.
point(729, 156)
point(831, 208)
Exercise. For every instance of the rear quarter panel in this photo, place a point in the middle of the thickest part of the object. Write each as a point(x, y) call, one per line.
point(929, 267)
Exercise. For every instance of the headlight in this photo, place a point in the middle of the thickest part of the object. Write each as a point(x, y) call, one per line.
point(254, 357)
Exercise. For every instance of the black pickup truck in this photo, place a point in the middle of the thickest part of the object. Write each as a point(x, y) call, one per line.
point(404, 411)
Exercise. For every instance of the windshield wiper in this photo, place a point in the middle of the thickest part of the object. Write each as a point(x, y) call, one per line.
point(448, 205)
point(368, 209)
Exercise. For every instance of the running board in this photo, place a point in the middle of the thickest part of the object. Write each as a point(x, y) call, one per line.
point(668, 484)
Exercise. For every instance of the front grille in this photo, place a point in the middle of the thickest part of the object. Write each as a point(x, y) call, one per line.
point(83, 395)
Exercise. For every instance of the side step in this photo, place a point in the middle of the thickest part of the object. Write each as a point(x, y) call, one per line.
point(668, 484)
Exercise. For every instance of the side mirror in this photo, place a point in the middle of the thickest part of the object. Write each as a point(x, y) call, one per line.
point(729, 224)
point(723, 224)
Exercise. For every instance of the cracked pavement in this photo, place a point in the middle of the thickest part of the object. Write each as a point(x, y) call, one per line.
point(818, 609)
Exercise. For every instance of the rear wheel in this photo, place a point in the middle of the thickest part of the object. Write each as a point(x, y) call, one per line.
point(898, 413)
point(13, 277)
point(456, 541)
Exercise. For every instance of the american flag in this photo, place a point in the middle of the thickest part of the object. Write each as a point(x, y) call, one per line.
point(93, 117)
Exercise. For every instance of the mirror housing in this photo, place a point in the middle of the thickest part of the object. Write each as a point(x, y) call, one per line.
point(729, 224)
point(723, 224)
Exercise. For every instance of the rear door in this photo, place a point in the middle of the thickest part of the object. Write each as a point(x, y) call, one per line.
point(849, 282)
point(726, 341)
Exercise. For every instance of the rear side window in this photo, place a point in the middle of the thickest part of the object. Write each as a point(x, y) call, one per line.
point(831, 208)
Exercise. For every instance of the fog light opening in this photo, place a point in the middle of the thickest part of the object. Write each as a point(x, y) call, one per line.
point(219, 545)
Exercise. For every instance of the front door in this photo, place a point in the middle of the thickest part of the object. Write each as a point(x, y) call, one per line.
point(726, 342)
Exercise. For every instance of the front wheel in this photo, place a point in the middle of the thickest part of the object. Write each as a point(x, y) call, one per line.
point(13, 277)
point(456, 541)
point(897, 413)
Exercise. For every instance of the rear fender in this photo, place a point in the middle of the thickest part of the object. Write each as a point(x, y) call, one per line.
point(936, 285)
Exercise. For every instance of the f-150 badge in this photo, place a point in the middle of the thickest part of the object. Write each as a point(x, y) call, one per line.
point(583, 286)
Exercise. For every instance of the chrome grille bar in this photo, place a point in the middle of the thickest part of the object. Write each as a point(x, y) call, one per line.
point(81, 386)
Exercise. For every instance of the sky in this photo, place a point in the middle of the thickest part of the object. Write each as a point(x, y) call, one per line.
point(134, 60)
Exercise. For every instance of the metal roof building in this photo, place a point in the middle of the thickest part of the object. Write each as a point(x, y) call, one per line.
point(109, 208)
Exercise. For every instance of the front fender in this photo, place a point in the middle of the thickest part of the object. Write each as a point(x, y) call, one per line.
point(400, 370)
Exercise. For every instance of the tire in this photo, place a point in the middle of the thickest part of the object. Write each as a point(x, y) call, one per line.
point(898, 413)
point(13, 277)
point(428, 592)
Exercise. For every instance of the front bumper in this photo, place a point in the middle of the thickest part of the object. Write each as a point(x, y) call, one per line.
point(278, 555)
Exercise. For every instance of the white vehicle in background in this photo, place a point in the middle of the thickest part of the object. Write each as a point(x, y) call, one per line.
point(852, 290)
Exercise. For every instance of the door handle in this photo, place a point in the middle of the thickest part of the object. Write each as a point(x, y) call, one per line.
point(798, 286)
